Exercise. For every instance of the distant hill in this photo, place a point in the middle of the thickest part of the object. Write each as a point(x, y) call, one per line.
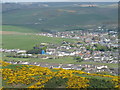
point(58, 16)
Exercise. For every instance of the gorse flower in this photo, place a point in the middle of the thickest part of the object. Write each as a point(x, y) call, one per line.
point(37, 77)
point(2, 63)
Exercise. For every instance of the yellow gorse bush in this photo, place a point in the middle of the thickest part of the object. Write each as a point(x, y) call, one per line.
point(116, 80)
point(77, 82)
point(2, 63)
point(37, 77)
point(26, 75)
point(73, 81)
point(40, 83)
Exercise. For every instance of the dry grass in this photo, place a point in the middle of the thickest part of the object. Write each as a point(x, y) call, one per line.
point(9, 32)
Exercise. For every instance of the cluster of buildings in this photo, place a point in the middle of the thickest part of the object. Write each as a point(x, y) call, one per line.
point(100, 47)
point(84, 46)
point(105, 52)
point(12, 50)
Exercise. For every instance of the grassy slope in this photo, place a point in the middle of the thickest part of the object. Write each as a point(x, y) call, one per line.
point(28, 41)
point(17, 29)
point(55, 20)
point(56, 83)
point(25, 41)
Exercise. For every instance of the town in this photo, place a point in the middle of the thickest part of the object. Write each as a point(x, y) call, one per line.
point(59, 44)
point(89, 46)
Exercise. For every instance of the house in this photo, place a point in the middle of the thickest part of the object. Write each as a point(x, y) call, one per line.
point(26, 63)
point(50, 51)
point(101, 67)
point(43, 52)
point(67, 67)
point(77, 67)
point(26, 54)
point(21, 51)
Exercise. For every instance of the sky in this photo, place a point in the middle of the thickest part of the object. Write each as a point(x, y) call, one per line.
point(59, 0)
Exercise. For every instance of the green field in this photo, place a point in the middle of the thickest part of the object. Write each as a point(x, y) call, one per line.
point(22, 41)
point(28, 41)
point(17, 29)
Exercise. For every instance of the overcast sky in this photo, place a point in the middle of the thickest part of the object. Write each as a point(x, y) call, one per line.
point(59, 0)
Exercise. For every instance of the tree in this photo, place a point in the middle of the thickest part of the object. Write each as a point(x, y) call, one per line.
point(101, 48)
point(82, 69)
point(44, 48)
point(78, 59)
point(34, 51)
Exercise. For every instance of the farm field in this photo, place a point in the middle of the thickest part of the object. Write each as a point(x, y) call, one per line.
point(17, 29)
point(27, 42)
point(15, 37)
point(40, 77)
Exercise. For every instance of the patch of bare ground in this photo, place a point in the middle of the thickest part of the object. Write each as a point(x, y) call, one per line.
point(9, 32)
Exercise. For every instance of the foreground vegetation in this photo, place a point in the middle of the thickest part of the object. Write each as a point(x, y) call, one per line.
point(30, 76)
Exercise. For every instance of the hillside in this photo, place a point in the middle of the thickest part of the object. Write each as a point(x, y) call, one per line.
point(27, 42)
point(58, 17)
point(30, 76)
point(19, 29)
